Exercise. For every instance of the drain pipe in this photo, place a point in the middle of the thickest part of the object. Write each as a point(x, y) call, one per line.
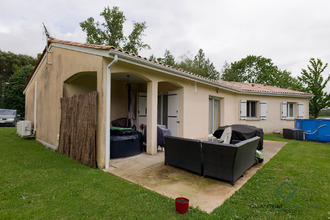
point(107, 113)
point(35, 109)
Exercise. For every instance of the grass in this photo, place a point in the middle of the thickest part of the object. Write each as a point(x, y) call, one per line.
point(303, 165)
point(36, 183)
point(320, 117)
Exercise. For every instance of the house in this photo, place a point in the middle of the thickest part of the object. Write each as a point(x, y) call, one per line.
point(190, 105)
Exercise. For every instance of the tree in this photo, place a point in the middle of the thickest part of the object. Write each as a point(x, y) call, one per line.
point(7, 62)
point(257, 69)
point(199, 65)
point(199, 59)
point(325, 113)
point(286, 81)
point(167, 59)
point(13, 97)
point(209, 70)
point(229, 73)
point(313, 82)
point(111, 33)
point(186, 62)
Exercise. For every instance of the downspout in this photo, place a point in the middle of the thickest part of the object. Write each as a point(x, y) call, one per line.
point(35, 108)
point(107, 113)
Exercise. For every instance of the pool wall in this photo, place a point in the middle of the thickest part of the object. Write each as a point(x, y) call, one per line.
point(315, 129)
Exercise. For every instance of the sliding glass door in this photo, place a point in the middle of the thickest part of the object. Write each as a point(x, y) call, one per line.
point(214, 114)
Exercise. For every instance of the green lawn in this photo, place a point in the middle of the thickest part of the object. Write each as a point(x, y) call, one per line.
point(36, 183)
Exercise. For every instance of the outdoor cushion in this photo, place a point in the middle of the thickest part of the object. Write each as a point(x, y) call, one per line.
point(226, 135)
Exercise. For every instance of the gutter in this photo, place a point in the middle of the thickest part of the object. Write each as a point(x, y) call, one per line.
point(107, 113)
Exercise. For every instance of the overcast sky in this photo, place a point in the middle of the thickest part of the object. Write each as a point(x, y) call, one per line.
point(289, 32)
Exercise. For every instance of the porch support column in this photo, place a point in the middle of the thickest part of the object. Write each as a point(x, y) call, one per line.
point(152, 94)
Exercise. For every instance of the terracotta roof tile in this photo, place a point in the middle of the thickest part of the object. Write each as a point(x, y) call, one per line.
point(253, 87)
point(248, 87)
point(102, 47)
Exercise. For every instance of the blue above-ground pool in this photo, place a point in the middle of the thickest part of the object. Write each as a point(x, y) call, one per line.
point(315, 129)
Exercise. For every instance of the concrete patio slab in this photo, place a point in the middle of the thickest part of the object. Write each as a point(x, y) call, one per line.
point(150, 172)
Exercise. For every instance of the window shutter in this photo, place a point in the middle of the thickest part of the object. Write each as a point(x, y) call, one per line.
point(300, 110)
point(263, 110)
point(243, 109)
point(284, 110)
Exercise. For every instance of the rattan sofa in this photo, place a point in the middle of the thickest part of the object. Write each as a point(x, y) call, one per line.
point(222, 161)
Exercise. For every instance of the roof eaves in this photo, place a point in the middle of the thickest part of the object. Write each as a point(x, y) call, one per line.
point(154, 65)
point(150, 64)
point(89, 50)
point(275, 94)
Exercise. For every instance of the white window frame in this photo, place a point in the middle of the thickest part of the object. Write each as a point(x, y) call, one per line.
point(212, 99)
point(298, 110)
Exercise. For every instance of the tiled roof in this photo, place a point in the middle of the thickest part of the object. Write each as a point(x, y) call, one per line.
point(253, 87)
point(102, 47)
point(243, 87)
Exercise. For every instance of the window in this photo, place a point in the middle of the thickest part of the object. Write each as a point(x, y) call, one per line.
point(251, 109)
point(214, 114)
point(290, 110)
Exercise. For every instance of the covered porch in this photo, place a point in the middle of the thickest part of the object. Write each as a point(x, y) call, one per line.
point(146, 102)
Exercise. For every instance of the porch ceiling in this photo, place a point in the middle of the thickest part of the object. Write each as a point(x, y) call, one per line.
point(123, 77)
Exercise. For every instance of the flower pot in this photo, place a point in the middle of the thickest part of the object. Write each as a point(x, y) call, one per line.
point(181, 205)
